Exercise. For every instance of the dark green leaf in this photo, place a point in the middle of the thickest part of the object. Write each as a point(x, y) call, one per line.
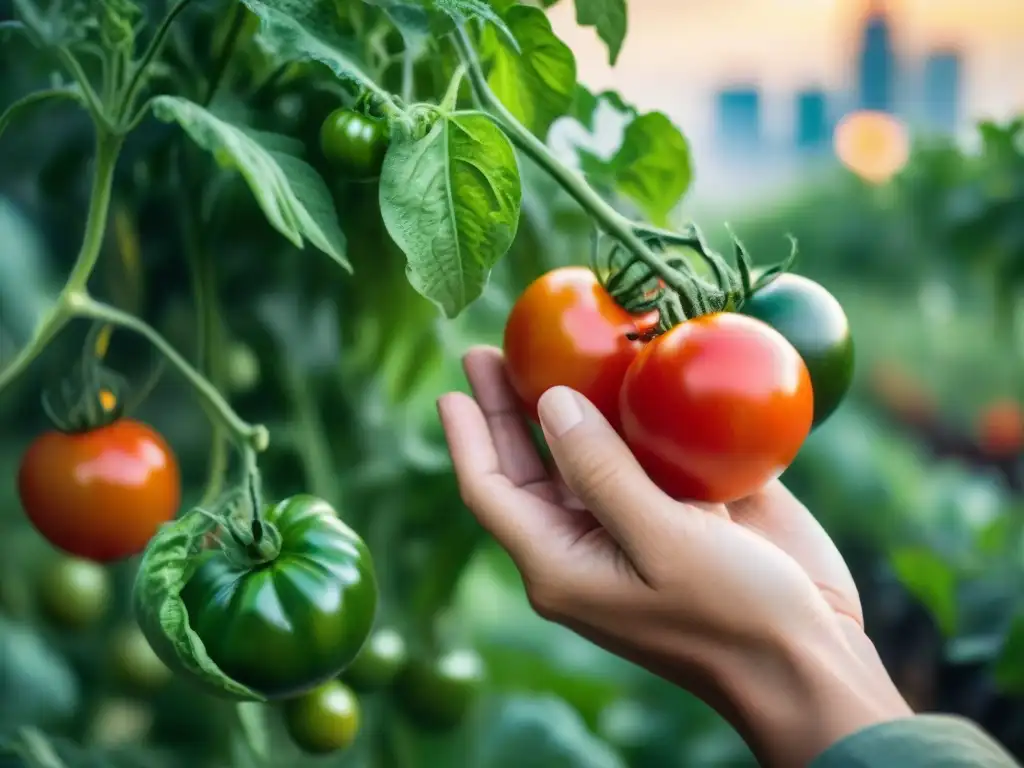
point(538, 83)
point(1009, 670)
point(608, 17)
point(38, 685)
point(931, 580)
point(451, 201)
point(167, 564)
point(653, 166)
point(291, 194)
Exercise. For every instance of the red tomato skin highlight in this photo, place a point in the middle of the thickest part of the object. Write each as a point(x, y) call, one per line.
point(100, 494)
point(716, 408)
point(566, 330)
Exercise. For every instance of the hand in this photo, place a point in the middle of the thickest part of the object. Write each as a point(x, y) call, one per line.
point(749, 606)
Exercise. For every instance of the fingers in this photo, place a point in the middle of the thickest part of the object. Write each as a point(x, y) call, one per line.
point(779, 516)
point(598, 468)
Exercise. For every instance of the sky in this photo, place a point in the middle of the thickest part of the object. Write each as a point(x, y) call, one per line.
point(678, 52)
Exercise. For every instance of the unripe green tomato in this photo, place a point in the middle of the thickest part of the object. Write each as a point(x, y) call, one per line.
point(134, 663)
point(379, 661)
point(74, 593)
point(355, 143)
point(323, 720)
point(437, 693)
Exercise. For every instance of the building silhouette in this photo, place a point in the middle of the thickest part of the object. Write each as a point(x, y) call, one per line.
point(738, 119)
point(813, 128)
point(876, 72)
point(940, 90)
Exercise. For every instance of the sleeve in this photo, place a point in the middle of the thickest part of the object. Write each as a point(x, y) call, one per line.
point(924, 741)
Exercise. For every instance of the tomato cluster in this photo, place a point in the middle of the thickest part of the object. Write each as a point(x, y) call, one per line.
point(713, 409)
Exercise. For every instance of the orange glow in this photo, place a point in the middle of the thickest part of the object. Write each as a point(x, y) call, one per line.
point(874, 145)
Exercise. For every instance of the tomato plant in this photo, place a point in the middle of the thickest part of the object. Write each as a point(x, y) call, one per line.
point(438, 691)
point(323, 720)
point(565, 329)
point(75, 593)
point(813, 321)
point(354, 142)
point(379, 661)
point(100, 494)
point(717, 407)
point(284, 626)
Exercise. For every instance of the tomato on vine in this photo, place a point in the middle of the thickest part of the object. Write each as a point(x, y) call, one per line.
point(100, 494)
point(323, 720)
point(813, 321)
point(437, 692)
point(74, 593)
point(717, 407)
point(565, 329)
point(379, 661)
point(287, 624)
point(354, 142)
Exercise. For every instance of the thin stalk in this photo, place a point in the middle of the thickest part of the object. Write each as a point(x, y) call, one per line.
point(155, 44)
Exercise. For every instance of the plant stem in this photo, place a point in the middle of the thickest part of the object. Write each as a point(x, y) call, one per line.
point(313, 445)
point(221, 67)
point(408, 75)
point(245, 434)
point(107, 148)
point(155, 44)
point(34, 98)
point(603, 214)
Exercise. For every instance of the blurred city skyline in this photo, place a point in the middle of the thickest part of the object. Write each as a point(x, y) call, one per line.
point(794, 67)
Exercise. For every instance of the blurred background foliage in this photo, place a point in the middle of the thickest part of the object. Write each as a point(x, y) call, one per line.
point(918, 477)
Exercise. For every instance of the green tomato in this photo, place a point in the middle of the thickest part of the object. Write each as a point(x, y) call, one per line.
point(379, 661)
point(437, 693)
point(323, 720)
point(74, 593)
point(813, 321)
point(354, 142)
point(285, 627)
point(134, 663)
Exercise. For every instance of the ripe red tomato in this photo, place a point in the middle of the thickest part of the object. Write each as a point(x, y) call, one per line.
point(565, 329)
point(1001, 429)
point(100, 494)
point(717, 407)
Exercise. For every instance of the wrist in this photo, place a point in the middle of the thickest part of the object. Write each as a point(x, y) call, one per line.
point(792, 699)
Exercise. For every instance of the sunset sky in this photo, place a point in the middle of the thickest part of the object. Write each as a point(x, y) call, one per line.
point(678, 52)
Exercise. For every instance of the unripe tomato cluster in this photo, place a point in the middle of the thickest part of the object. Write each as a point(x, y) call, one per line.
point(713, 409)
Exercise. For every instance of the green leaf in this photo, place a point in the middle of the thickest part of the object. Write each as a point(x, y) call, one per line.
point(608, 17)
point(653, 166)
point(537, 84)
point(586, 104)
point(451, 202)
point(167, 564)
point(546, 729)
point(291, 194)
point(1009, 671)
point(39, 688)
point(931, 580)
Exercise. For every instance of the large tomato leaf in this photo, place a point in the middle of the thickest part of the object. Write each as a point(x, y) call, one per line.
point(608, 17)
point(653, 167)
point(451, 202)
point(537, 83)
point(167, 564)
point(293, 197)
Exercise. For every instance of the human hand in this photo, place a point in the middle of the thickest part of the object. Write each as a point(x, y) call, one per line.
point(748, 605)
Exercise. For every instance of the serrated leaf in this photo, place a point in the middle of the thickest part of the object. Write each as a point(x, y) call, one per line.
point(653, 166)
point(931, 580)
point(537, 84)
point(451, 202)
point(548, 730)
point(290, 193)
point(167, 564)
point(608, 17)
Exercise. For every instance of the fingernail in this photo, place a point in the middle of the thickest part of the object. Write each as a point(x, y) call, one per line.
point(559, 411)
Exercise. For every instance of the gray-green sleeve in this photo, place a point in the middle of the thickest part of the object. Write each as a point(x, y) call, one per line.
point(924, 741)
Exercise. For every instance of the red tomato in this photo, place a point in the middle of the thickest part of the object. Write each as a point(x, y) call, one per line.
point(567, 330)
point(1001, 429)
point(717, 407)
point(100, 494)
point(647, 322)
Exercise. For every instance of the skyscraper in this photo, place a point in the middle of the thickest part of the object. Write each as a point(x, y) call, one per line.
point(813, 129)
point(738, 118)
point(876, 76)
point(941, 90)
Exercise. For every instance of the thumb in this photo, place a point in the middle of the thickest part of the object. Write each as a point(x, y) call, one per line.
point(600, 470)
